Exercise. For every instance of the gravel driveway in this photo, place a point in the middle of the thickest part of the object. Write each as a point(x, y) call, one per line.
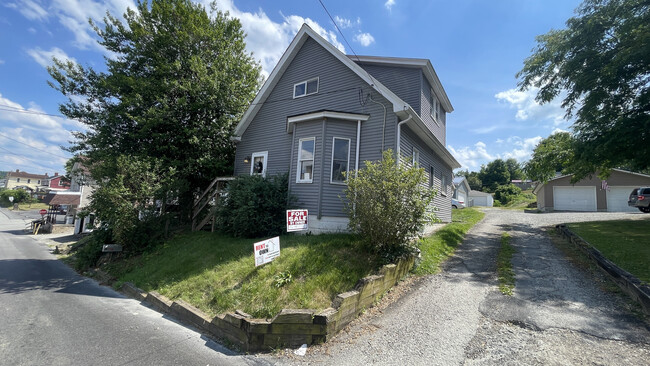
point(557, 316)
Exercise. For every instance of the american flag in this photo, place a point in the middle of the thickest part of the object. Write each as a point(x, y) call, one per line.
point(604, 185)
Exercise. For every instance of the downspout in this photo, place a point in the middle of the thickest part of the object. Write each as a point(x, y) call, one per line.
point(399, 137)
point(322, 170)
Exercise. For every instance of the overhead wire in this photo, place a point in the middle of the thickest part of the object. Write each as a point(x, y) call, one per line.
point(35, 148)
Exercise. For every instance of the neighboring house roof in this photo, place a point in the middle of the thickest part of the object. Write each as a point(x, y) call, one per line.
point(400, 107)
point(457, 181)
point(473, 193)
point(62, 198)
point(540, 185)
point(19, 174)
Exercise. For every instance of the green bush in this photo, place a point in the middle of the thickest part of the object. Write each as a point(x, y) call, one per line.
point(254, 206)
point(90, 248)
point(388, 205)
point(507, 193)
point(19, 196)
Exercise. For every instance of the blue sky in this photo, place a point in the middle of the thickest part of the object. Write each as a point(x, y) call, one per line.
point(476, 47)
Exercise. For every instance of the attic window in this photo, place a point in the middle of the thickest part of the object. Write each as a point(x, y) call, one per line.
point(435, 106)
point(305, 88)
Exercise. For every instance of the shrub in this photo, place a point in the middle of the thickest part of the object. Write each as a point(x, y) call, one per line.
point(388, 205)
point(254, 206)
point(90, 248)
point(19, 196)
point(507, 193)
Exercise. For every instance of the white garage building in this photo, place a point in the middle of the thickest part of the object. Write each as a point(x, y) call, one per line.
point(591, 193)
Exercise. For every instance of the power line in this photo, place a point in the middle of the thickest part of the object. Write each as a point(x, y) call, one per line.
point(35, 148)
point(26, 158)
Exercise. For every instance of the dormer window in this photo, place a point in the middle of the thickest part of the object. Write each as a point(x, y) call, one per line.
point(433, 102)
point(305, 88)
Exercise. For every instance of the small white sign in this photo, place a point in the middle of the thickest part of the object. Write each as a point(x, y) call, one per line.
point(297, 220)
point(266, 250)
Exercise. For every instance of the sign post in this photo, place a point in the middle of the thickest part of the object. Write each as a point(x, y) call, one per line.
point(297, 220)
point(266, 250)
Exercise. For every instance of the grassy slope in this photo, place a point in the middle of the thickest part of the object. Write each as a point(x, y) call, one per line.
point(217, 274)
point(626, 243)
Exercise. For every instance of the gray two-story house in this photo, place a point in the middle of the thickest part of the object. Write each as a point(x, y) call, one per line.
point(321, 113)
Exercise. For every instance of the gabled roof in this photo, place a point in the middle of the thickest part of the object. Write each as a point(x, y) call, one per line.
point(400, 107)
point(62, 198)
point(421, 63)
point(457, 181)
point(540, 185)
point(19, 174)
point(474, 193)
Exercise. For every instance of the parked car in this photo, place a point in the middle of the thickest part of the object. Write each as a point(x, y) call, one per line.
point(640, 198)
point(457, 204)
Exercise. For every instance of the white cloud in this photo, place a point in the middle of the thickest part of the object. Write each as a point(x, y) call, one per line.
point(523, 147)
point(389, 4)
point(344, 23)
point(29, 9)
point(529, 110)
point(472, 157)
point(268, 39)
point(44, 58)
point(30, 140)
point(366, 39)
point(31, 30)
point(2, 62)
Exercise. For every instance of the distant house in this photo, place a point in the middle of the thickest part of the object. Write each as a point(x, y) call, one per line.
point(57, 184)
point(524, 184)
point(81, 182)
point(590, 193)
point(320, 114)
point(26, 181)
point(481, 198)
point(461, 191)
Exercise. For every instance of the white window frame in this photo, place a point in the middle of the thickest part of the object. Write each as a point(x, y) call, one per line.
point(415, 157)
point(443, 184)
point(345, 181)
point(306, 82)
point(435, 108)
point(300, 160)
point(265, 155)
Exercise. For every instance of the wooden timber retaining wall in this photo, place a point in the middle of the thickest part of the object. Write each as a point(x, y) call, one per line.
point(289, 328)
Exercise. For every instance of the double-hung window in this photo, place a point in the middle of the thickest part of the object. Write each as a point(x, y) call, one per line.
point(305, 88)
point(340, 159)
point(443, 184)
point(433, 102)
point(416, 158)
point(306, 148)
point(258, 163)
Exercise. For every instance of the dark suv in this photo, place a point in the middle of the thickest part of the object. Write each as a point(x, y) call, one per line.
point(640, 198)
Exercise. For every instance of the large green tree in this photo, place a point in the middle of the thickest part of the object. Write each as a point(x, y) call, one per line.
point(514, 168)
point(600, 65)
point(494, 174)
point(176, 83)
point(551, 155)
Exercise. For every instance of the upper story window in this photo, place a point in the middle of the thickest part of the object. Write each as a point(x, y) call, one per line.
point(17, 180)
point(435, 107)
point(306, 160)
point(29, 180)
point(416, 157)
point(340, 159)
point(443, 184)
point(305, 88)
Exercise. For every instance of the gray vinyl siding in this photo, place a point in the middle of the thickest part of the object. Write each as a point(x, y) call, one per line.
point(307, 193)
point(428, 159)
point(438, 129)
point(338, 91)
point(333, 192)
point(404, 82)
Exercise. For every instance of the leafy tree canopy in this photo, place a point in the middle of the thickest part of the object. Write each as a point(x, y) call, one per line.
point(552, 154)
point(472, 179)
point(514, 168)
point(601, 60)
point(179, 80)
point(494, 174)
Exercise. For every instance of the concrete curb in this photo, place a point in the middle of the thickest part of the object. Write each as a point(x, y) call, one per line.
point(631, 285)
point(290, 327)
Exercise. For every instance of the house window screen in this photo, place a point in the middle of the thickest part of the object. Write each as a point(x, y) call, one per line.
point(306, 160)
point(340, 159)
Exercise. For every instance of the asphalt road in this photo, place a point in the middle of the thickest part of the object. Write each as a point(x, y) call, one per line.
point(557, 316)
point(53, 316)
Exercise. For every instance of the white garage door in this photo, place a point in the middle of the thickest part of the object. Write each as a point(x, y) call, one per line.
point(574, 198)
point(617, 199)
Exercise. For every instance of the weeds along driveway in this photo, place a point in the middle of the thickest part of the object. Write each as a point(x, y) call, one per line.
point(558, 314)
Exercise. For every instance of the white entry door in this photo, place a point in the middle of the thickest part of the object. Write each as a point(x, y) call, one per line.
point(574, 198)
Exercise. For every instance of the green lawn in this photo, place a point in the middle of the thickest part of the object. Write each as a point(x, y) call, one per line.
point(216, 273)
point(624, 242)
point(438, 247)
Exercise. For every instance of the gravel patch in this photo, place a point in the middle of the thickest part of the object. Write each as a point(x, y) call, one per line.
point(558, 314)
